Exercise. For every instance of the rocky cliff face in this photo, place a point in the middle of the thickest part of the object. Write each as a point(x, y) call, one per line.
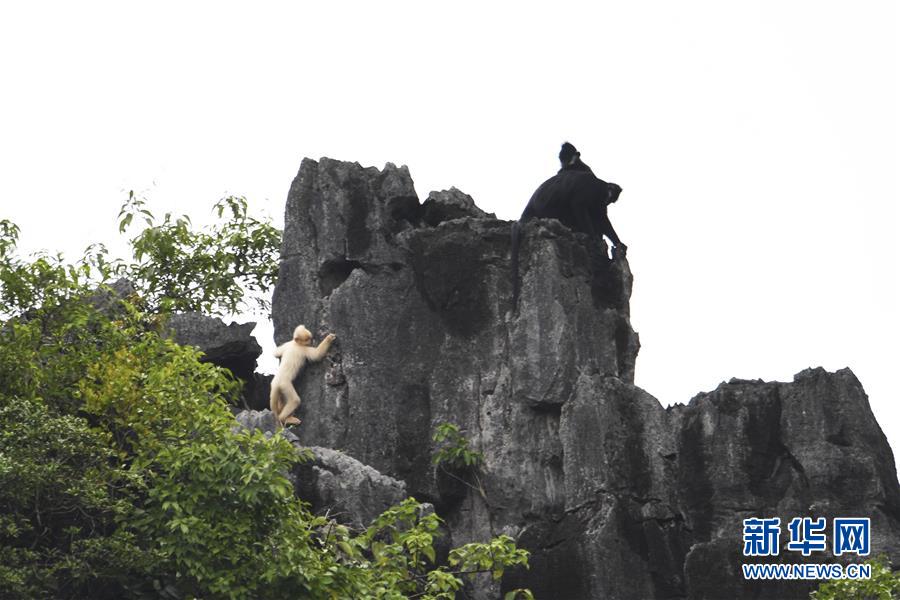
point(614, 495)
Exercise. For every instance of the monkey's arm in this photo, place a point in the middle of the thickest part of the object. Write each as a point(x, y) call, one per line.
point(280, 349)
point(606, 228)
point(319, 352)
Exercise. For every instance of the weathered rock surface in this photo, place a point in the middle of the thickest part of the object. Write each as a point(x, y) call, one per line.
point(345, 489)
point(445, 206)
point(264, 421)
point(333, 483)
point(255, 394)
point(807, 448)
point(230, 346)
point(614, 495)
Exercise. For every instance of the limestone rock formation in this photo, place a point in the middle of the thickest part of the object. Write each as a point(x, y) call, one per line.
point(345, 489)
point(333, 483)
point(264, 421)
point(614, 495)
point(230, 346)
point(807, 448)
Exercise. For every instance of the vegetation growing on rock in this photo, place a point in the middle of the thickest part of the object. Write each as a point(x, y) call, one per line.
point(122, 474)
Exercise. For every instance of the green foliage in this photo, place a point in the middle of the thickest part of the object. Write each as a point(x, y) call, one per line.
point(454, 451)
point(61, 496)
point(176, 268)
point(122, 473)
point(400, 542)
point(456, 459)
point(42, 282)
point(883, 585)
point(215, 499)
point(211, 270)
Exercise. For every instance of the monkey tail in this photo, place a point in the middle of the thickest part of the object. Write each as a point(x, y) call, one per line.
point(516, 235)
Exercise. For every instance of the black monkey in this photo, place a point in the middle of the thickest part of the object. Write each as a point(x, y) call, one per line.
point(577, 198)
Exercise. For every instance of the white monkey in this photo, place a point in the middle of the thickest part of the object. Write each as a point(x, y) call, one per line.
point(284, 399)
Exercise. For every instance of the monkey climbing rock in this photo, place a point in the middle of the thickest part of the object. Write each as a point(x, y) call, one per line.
point(283, 398)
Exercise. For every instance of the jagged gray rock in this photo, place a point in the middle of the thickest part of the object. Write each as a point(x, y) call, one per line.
point(229, 346)
point(447, 205)
point(345, 489)
point(810, 447)
point(614, 495)
point(333, 483)
point(262, 420)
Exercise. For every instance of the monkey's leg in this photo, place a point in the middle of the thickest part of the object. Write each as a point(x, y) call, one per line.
point(275, 403)
point(293, 401)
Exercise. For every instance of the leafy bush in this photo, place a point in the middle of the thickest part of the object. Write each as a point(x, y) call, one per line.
point(883, 585)
point(235, 258)
point(454, 450)
point(61, 499)
point(455, 459)
point(122, 474)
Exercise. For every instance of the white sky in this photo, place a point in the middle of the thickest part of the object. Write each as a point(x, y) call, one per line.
point(757, 144)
